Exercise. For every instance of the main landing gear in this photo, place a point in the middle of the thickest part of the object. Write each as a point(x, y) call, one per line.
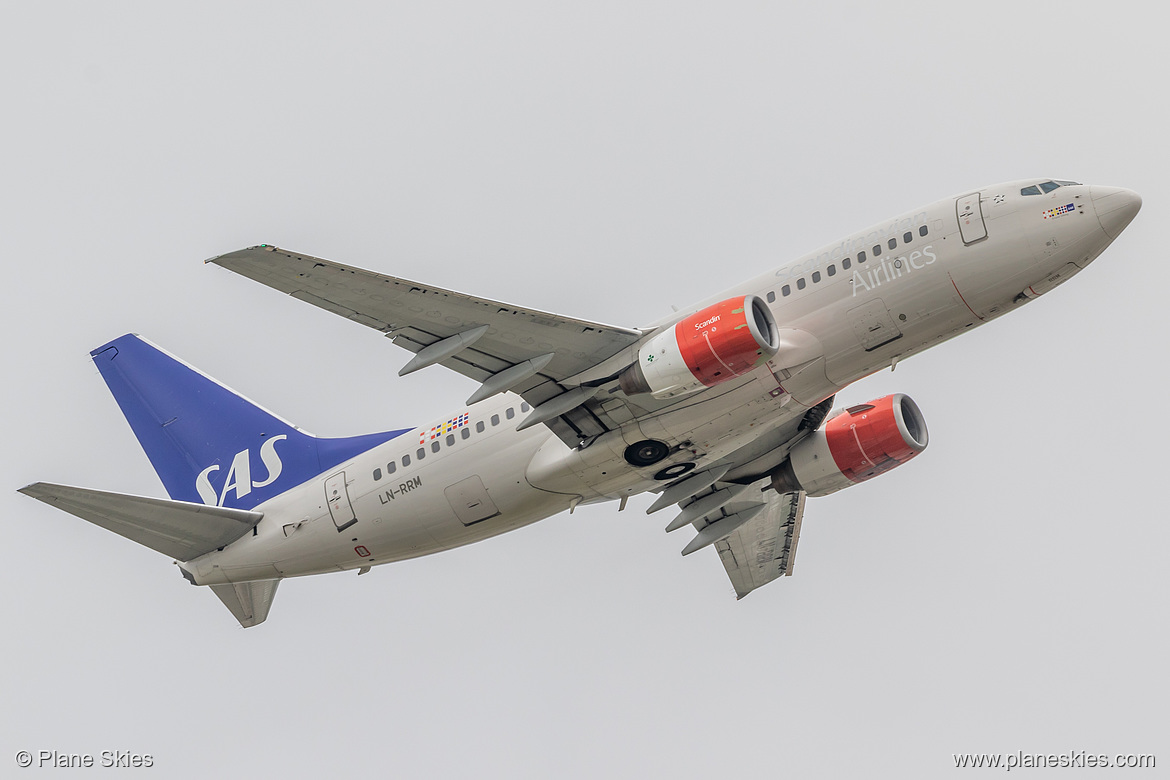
point(646, 453)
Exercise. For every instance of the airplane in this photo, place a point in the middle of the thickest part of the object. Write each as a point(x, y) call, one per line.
point(725, 409)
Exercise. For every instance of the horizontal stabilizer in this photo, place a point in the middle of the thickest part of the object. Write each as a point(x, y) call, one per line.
point(178, 529)
point(248, 601)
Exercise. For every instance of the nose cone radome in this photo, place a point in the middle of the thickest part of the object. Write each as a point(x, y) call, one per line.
point(1115, 206)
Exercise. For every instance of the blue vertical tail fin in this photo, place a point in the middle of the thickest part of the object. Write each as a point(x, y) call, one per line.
point(209, 444)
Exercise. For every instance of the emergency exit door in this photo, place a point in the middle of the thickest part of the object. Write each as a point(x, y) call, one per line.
point(873, 324)
point(470, 501)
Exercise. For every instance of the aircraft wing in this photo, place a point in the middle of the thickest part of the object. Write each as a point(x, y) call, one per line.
point(417, 316)
point(764, 548)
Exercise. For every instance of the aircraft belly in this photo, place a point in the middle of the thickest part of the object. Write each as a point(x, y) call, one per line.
point(576, 473)
point(700, 431)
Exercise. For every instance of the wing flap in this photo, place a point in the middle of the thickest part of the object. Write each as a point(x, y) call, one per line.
point(349, 314)
point(177, 529)
point(764, 548)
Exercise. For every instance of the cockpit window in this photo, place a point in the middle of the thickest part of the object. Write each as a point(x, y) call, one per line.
point(1047, 186)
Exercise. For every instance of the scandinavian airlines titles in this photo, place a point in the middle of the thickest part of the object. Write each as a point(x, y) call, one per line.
point(892, 268)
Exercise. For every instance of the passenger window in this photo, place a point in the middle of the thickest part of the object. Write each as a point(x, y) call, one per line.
point(510, 413)
point(1049, 186)
point(377, 474)
point(524, 407)
point(922, 230)
point(771, 296)
point(800, 283)
point(495, 419)
point(405, 461)
point(832, 270)
point(466, 432)
point(816, 276)
point(420, 453)
point(450, 440)
point(391, 467)
point(1033, 190)
point(479, 426)
point(893, 242)
point(907, 238)
point(877, 250)
point(845, 263)
point(861, 257)
point(434, 446)
point(785, 290)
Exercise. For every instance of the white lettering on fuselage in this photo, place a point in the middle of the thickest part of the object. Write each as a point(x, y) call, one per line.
point(892, 268)
point(239, 476)
point(851, 246)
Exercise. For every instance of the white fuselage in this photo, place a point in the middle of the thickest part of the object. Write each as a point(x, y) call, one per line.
point(841, 318)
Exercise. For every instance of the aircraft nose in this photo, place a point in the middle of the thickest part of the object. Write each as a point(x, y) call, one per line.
point(1115, 206)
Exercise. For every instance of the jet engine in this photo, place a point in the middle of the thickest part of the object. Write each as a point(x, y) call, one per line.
point(855, 445)
point(710, 346)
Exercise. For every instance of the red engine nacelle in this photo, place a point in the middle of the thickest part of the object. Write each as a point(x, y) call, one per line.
point(856, 445)
point(711, 346)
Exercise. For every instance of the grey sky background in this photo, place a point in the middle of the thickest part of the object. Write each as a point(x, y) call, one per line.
point(1006, 591)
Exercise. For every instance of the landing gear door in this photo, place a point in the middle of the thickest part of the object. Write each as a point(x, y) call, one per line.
point(970, 214)
point(337, 496)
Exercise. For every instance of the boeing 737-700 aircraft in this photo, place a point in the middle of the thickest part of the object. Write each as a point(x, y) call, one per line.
point(722, 408)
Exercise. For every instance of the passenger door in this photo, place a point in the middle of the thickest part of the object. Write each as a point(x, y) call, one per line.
point(970, 213)
point(337, 496)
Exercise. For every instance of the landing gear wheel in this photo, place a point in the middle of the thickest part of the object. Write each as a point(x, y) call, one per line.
point(646, 453)
point(674, 470)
